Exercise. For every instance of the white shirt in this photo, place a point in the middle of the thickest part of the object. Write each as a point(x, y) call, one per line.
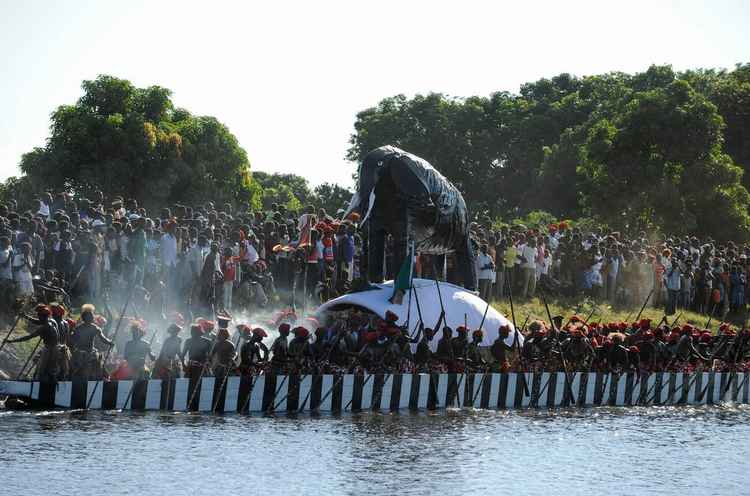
point(168, 249)
point(6, 272)
point(484, 260)
point(529, 256)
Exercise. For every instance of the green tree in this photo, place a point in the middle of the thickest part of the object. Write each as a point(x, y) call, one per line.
point(131, 141)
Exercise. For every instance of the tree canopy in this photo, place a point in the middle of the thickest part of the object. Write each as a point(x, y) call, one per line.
point(131, 141)
point(653, 150)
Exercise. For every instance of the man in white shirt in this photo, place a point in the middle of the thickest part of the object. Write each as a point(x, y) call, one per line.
point(528, 254)
point(486, 272)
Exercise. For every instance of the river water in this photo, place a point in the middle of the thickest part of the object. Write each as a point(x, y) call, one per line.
point(606, 451)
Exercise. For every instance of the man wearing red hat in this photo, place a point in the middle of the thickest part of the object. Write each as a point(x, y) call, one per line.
point(444, 352)
point(473, 356)
point(49, 369)
point(578, 350)
point(250, 351)
point(500, 350)
point(299, 348)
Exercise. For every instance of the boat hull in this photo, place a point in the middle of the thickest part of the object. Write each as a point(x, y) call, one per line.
point(386, 392)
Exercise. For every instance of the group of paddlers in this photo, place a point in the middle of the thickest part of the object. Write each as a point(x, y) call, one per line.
point(360, 342)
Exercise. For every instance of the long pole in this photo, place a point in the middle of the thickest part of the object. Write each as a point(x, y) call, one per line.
point(516, 341)
point(31, 355)
point(560, 350)
point(643, 307)
point(226, 375)
point(114, 337)
point(132, 386)
point(7, 336)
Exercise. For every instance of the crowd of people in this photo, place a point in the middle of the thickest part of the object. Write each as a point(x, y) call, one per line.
point(213, 261)
point(679, 272)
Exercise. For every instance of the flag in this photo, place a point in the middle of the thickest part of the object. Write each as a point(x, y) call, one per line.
point(403, 280)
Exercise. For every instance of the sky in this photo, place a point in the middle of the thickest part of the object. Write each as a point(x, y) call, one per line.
point(288, 78)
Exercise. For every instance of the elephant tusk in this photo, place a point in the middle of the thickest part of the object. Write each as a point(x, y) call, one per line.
point(369, 206)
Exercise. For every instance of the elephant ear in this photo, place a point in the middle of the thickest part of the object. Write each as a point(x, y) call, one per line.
point(421, 183)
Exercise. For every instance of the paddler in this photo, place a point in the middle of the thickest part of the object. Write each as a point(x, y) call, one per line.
point(48, 369)
point(136, 352)
point(196, 349)
point(500, 349)
point(444, 352)
point(473, 355)
point(280, 350)
point(423, 356)
point(299, 349)
point(168, 364)
point(86, 363)
point(250, 351)
point(223, 354)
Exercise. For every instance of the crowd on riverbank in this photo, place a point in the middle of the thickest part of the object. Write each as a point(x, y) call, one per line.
point(212, 260)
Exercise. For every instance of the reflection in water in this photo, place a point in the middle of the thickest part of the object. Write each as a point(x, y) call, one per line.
point(659, 450)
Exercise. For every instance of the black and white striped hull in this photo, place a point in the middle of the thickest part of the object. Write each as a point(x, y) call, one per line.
point(340, 393)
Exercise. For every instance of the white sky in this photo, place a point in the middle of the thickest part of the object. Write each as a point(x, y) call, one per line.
point(289, 77)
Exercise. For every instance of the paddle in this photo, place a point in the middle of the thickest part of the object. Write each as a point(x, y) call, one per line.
point(7, 336)
point(516, 341)
point(132, 386)
point(560, 350)
point(114, 338)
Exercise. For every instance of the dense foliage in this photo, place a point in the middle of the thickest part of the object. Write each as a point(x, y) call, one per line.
point(657, 150)
point(132, 142)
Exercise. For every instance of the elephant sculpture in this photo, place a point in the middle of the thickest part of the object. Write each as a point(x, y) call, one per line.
point(403, 195)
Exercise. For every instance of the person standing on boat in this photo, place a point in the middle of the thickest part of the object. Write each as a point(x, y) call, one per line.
point(423, 355)
point(250, 352)
point(49, 369)
point(280, 350)
point(86, 362)
point(223, 354)
point(168, 364)
point(299, 349)
point(136, 352)
point(500, 350)
point(196, 348)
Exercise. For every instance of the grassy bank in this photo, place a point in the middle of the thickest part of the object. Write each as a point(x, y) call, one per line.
point(602, 311)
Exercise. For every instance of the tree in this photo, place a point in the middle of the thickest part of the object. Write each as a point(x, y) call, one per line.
point(332, 198)
point(131, 141)
point(655, 150)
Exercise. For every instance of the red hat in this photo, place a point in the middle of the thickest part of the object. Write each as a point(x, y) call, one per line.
point(478, 333)
point(460, 329)
point(259, 332)
point(243, 328)
point(300, 332)
point(648, 335)
point(645, 324)
point(576, 318)
point(390, 316)
point(57, 310)
point(284, 328)
point(71, 323)
point(576, 332)
point(504, 329)
point(634, 349)
point(100, 321)
point(42, 309)
point(706, 337)
point(371, 336)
